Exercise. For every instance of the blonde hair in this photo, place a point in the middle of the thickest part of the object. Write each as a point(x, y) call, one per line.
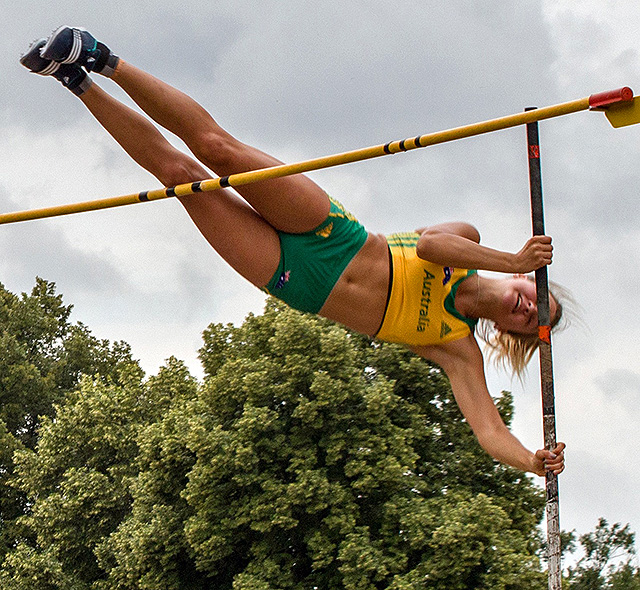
point(513, 351)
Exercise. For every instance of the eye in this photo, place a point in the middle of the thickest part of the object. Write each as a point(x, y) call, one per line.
point(518, 302)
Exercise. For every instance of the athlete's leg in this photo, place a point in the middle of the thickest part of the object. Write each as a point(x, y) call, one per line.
point(293, 204)
point(234, 229)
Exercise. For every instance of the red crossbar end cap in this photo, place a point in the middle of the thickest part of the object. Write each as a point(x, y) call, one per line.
point(603, 99)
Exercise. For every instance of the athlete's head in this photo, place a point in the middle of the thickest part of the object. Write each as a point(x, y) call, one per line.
point(512, 336)
point(519, 308)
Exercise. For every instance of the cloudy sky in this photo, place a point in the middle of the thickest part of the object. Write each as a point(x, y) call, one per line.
point(302, 79)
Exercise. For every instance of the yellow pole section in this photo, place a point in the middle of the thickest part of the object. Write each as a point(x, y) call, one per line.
point(306, 166)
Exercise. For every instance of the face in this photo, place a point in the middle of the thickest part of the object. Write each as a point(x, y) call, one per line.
point(519, 310)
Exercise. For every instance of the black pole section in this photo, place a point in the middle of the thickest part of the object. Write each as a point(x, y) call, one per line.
point(546, 360)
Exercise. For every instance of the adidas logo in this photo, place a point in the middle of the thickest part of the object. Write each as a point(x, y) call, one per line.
point(444, 329)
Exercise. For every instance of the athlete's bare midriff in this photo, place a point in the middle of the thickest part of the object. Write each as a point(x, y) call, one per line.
point(359, 298)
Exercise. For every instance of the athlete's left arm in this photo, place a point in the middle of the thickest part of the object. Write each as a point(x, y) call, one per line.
point(456, 228)
point(458, 244)
point(463, 363)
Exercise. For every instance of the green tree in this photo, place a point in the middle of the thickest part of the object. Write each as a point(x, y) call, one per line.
point(78, 478)
point(607, 561)
point(309, 457)
point(42, 358)
point(312, 457)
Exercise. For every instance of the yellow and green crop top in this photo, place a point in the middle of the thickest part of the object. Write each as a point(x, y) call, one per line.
point(420, 308)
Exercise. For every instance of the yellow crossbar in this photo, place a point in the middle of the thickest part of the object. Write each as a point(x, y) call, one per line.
point(393, 147)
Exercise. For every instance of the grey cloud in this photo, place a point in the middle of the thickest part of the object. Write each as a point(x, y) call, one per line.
point(34, 248)
point(335, 71)
point(621, 385)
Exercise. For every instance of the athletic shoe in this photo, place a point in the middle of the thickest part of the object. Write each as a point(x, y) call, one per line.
point(35, 62)
point(68, 45)
point(72, 76)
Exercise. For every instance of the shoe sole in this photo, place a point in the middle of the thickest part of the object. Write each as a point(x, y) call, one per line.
point(76, 44)
point(34, 55)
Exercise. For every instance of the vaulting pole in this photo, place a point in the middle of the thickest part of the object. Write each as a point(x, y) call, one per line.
point(546, 360)
point(619, 97)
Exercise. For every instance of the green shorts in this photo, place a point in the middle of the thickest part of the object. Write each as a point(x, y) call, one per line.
point(311, 263)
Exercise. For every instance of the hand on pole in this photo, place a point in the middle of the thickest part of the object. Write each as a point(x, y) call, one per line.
point(552, 461)
point(535, 254)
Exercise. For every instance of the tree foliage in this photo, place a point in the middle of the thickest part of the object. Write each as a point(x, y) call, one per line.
point(42, 358)
point(309, 457)
point(608, 560)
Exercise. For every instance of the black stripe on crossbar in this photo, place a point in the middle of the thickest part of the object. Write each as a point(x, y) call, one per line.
point(224, 182)
point(387, 148)
point(196, 187)
point(142, 197)
point(171, 191)
point(417, 140)
point(402, 146)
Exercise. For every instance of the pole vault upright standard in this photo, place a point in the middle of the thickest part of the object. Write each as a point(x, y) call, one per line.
point(620, 107)
point(546, 361)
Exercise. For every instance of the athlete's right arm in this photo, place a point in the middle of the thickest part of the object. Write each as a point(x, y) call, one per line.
point(462, 362)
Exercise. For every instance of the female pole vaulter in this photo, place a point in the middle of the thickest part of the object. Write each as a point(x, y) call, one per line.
point(290, 239)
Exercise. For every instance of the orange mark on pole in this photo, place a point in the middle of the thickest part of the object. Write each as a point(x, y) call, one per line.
point(544, 333)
